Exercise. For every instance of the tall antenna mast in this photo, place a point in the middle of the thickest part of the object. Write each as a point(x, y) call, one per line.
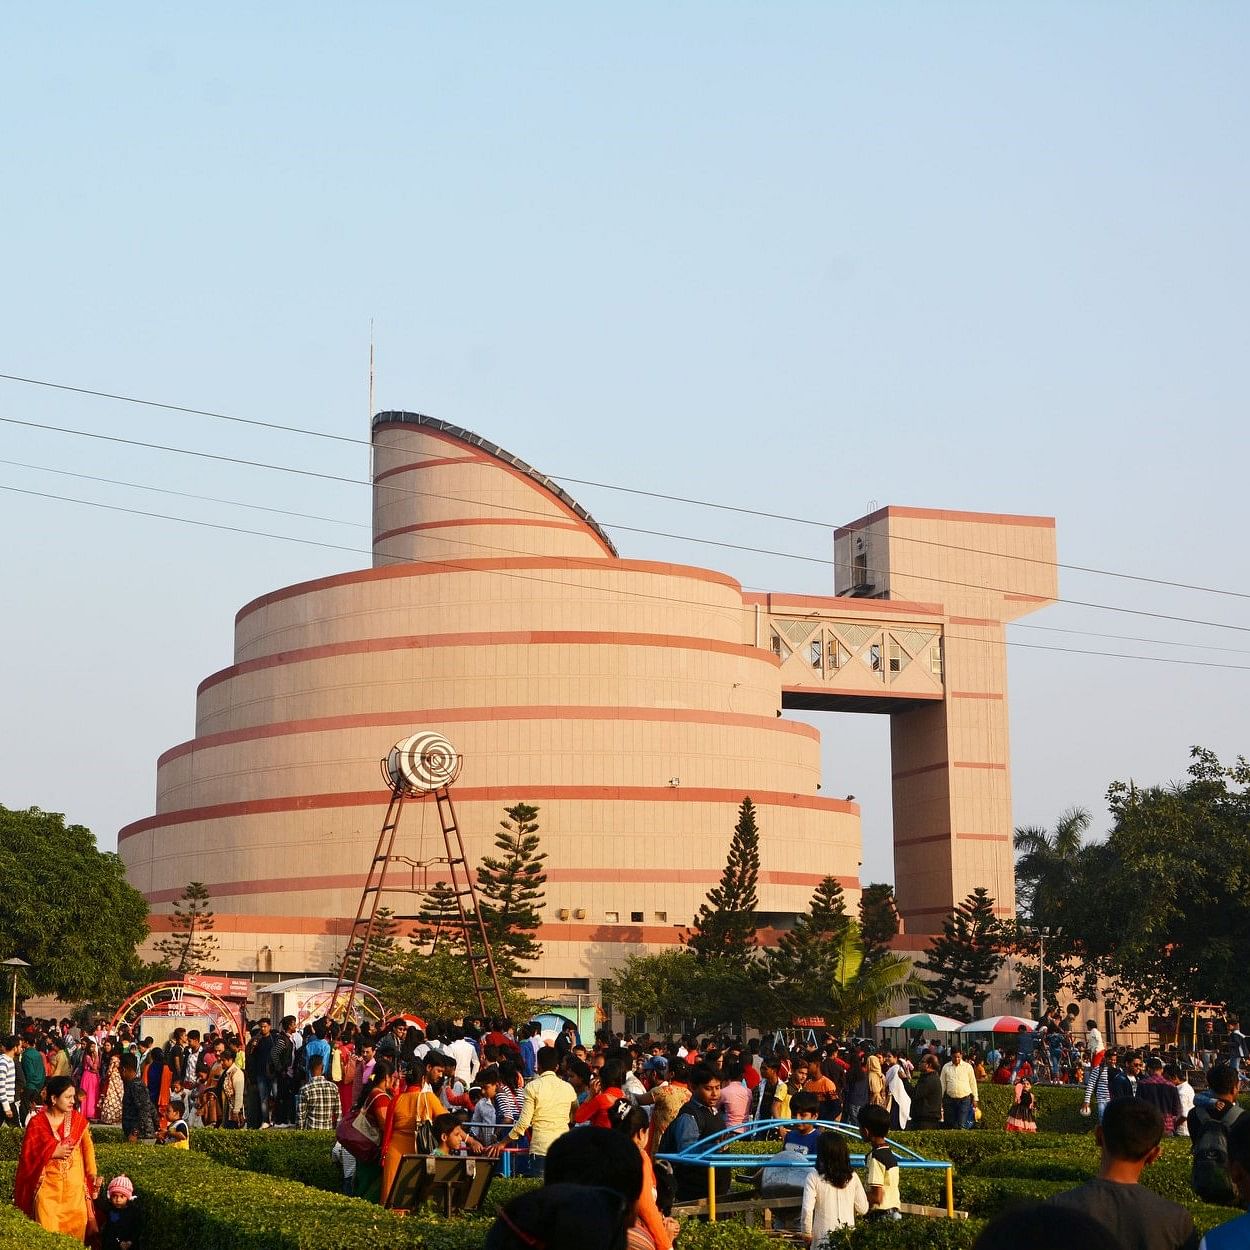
point(370, 399)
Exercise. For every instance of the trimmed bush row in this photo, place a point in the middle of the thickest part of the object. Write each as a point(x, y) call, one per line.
point(289, 1154)
point(1057, 1107)
point(188, 1200)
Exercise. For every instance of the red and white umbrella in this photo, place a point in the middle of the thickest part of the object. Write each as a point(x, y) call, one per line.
point(1000, 1024)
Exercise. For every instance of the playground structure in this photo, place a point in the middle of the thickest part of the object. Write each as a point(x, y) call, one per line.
point(713, 1152)
point(423, 765)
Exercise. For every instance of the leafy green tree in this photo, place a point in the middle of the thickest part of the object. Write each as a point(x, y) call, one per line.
point(191, 946)
point(437, 985)
point(66, 908)
point(677, 986)
point(861, 990)
point(803, 963)
point(1163, 905)
point(878, 920)
point(510, 891)
point(965, 957)
point(725, 927)
point(1045, 864)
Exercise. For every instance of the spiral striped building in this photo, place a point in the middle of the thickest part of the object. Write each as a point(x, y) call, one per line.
point(634, 703)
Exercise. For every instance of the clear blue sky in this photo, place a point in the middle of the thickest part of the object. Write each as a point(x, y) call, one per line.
point(792, 257)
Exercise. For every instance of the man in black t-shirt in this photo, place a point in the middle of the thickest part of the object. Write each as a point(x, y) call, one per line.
point(1129, 1136)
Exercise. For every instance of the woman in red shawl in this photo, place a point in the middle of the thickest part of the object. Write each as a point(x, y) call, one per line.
point(56, 1173)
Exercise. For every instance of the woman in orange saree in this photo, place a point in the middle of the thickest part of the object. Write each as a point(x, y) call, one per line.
point(56, 1172)
point(415, 1104)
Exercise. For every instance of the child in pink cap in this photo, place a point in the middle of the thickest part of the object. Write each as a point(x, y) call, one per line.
point(119, 1221)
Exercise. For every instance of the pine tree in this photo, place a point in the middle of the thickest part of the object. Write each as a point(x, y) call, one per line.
point(381, 950)
point(965, 957)
point(802, 965)
point(510, 891)
point(191, 946)
point(725, 926)
point(878, 920)
point(439, 919)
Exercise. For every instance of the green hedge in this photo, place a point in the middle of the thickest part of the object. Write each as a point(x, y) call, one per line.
point(290, 1154)
point(1056, 1107)
point(188, 1200)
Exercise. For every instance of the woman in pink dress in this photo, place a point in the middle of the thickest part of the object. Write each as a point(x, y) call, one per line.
point(90, 1081)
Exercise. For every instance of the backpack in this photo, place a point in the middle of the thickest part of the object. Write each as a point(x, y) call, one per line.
point(349, 1067)
point(1209, 1173)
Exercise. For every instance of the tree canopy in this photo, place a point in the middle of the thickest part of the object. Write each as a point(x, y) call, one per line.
point(1161, 906)
point(510, 891)
point(963, 960)
point(725, 927)
point(68, 909)
point(191, 946)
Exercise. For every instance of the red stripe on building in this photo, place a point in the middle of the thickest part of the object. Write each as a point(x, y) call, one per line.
point(492, 638)
point(489, 794)
point(431, 463)
point(368, 720)
point(489, 564)
point(575, 876)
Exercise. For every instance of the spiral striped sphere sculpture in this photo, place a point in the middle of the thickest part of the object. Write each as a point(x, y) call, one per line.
point(423, 763)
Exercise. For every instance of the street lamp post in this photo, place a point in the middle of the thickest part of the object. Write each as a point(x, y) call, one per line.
point(15, 964)
point(1043, 932)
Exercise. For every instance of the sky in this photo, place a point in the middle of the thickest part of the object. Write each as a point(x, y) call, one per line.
point(796, 258)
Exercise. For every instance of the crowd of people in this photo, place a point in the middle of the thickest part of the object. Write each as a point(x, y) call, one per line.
point(480, 1087)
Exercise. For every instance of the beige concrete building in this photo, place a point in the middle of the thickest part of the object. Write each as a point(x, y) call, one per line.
point(635, 703)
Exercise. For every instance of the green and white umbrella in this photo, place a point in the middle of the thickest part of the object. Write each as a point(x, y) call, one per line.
point(922, 1022)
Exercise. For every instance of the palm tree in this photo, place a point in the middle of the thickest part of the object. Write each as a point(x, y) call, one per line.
point(1045, 864)
point(863, 990)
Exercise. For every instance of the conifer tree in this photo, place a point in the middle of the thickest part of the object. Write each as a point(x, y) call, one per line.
point(878, 919)
point(805, 959)
point(965, 957)
point(439, 919)
point(724, 929)
point(510, 891)
point(381, 950)
point(191, 946)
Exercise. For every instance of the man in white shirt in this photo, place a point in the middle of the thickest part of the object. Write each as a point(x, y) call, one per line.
point(467, 1062)
point(959, 1092)
point(1093, 1042)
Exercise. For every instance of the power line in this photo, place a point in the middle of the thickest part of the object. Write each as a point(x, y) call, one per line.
point(307, 516)
point(182, 494)
point(451, 565)
point(946, 581)
point(1162, 642)
point(631, 490)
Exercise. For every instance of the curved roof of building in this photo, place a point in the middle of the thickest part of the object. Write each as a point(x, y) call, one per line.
point(476, 440)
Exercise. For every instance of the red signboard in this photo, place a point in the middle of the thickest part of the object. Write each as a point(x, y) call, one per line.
point(234, 988)
point(809, 1022)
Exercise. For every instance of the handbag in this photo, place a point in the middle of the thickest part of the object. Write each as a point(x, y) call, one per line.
point(336, 1065)
point(426, 1140)
point(359, 1136)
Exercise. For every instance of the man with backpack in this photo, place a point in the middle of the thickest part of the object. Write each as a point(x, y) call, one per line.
point(1209, 1127)
point(1235, 1235)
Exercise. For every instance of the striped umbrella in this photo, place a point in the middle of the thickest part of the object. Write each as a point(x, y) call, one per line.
point(922, 1022)
point(1000, 1024)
